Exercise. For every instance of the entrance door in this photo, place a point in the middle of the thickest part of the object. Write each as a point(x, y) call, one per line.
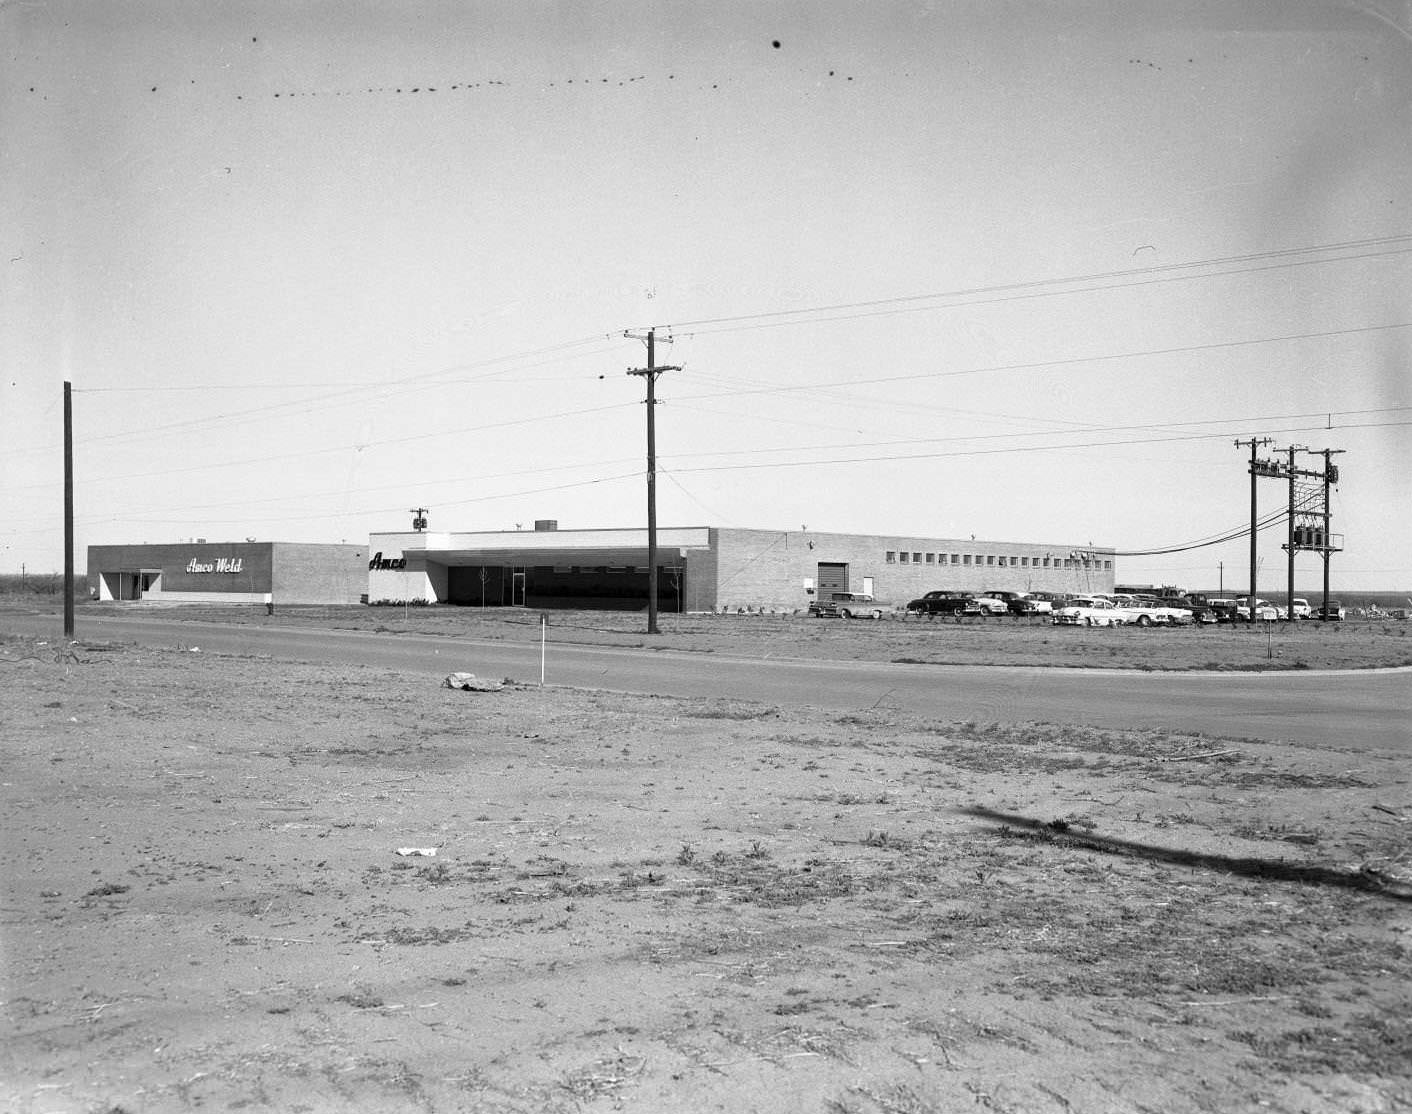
point(832, 578)
point(517, 588)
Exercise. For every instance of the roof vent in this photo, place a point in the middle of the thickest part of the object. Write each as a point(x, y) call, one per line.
point(544, 525)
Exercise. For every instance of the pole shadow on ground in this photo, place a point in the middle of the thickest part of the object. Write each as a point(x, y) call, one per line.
point(1061, 833)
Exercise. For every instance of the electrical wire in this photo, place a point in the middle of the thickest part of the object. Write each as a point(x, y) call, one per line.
point(1068, 362)
point(390, 387)
point(1022, 449)
point(1087, 429)
point(1232, 534)
point(1014, 287)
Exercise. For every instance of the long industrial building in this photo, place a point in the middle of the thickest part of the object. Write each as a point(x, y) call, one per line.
point(711, 569)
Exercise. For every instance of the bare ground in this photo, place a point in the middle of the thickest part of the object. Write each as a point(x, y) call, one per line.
point(672, 905)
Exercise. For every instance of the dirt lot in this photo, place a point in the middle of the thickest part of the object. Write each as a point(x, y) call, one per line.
point(671, 905)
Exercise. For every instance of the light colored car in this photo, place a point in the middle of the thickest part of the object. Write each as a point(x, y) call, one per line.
point(993, 605)
point(1265, 611)
point(849, 605)
point(1144, 613)
point(1026, 604)
point(1302, 610)
point(1090, 611)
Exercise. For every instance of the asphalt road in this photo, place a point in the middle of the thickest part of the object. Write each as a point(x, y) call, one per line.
point(1367, 712)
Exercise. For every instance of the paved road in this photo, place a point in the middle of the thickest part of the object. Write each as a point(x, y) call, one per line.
point(1365, 712)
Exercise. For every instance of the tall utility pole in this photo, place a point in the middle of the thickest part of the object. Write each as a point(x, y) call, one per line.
point(1330, 478)
point(1255, 473)
point(69, 510)
point(650, 373)
point(1289, 542)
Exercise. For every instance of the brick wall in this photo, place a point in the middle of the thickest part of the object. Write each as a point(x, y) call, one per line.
point(767, 569)
point(331, 574)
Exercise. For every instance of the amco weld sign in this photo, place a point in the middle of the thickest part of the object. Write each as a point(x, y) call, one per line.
point(220, 564)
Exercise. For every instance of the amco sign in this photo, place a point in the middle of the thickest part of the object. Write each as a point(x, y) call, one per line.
point(220, 564)
point(381, 562)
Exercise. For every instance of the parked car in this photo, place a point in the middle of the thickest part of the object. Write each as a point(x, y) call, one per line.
point(1028, 603)
point(1090, 611)
point(1197, 608)
point(942, 602)
point(848, 605)
point(1334, 611)
point(992, 604)
point(1265, 611)
point(1224, 607)
point(1144, 612)
point(1302, 610)
point(1167, 612)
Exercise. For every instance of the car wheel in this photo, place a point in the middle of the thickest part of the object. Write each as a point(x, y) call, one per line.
point(1144, 621)
point(845, 613)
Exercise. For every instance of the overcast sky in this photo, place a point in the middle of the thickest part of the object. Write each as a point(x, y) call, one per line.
point(1023, 271)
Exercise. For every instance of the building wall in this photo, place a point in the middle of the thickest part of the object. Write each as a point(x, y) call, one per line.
point(235, 572)
point(702, 573)
point(214, 572)
point(328, 574)
point(769, 569)
point(730, 569)
point(421, 579)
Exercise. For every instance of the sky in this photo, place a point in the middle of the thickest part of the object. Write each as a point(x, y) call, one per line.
point(1020, 270)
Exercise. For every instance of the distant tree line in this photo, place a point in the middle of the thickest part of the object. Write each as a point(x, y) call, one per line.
point(42, 584)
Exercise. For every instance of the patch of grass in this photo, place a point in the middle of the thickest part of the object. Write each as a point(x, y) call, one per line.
point(107, 889)
point(1367, 1044)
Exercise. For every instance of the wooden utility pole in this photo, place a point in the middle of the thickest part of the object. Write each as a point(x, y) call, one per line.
point(1254, 443)
point(1289, 543)
point(650, 373)
point(68, 510)
point(1327, 549)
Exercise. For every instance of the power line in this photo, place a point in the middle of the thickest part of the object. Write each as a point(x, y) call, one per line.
point(354, 513)
point(390, 387)
point(358, 447)
point(1234, 533)
point(1328, 415)
point(1013, 287)
point(1067, 362)
point(1020, 449)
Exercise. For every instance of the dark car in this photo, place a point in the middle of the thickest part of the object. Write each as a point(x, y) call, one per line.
point(945, 603)
point(1334, 611)
point(1200, 608)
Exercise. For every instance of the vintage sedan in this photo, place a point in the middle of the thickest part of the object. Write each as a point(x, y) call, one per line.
point(848, 605)
point(1265, 611)
point(1091, 611)
point(993, 603)
point(942, 602)
point(1029, 603)
point(1148, 612)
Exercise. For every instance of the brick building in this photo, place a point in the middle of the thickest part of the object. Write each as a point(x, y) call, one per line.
point(708, 568)
point(229, 572)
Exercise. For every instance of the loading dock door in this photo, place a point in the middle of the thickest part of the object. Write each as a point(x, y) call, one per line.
point(832, 578)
